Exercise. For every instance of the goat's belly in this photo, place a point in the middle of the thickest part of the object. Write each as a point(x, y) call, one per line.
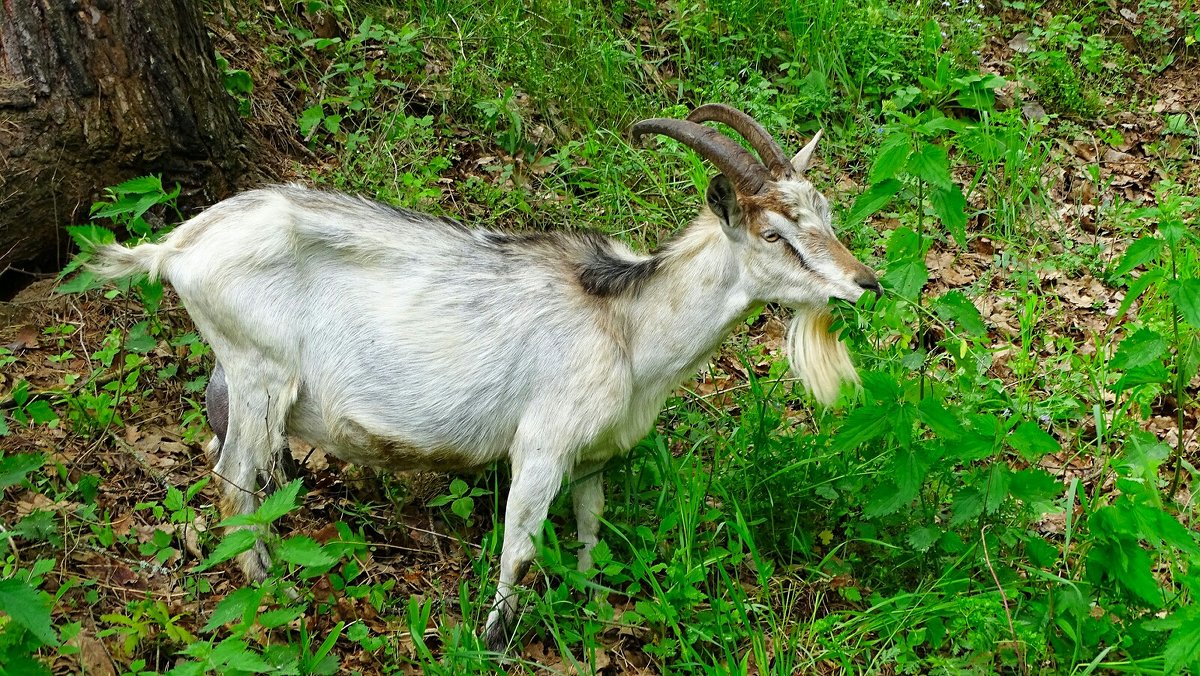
point(399, 455)
point(354, 442)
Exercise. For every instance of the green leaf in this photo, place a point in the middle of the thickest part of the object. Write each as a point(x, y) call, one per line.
point(951, 208)
point(1185, 293)
point(1035, 487)
point(921, 539)
point(861, 426)
point(1141, 348)
point(906, 278)
point(875, 198)
point(233, 654)
point(280, 617)
point(310, 118)
point(1172, 229)
point(278, 503)
point(40, 412)
point(997, 487)
point(84, 281)
point(151, 294)
point(1142, 251)
point(954, 306)
point(302, 550)
point(25, 665)
point(1142, 375)
point(909, 468)
point(884, 499)
point(322, 662)
point(463, 507)
point(238, 82)
point(25, 606)
point(88, 237)
point(139, 340)
point(931, 164)
point(1183, 647)
point(891, 157)
point(238, 606)
point(139, 186)
point(230, 546)
point(1031, 441)
point(936, 125)
point(1129, 566)
point(1136, 289)
point(941, 421)
point(13, 468)
point(967, 505)
point(332, 123)
point(976, 97)
point(1144, 454)
point(440, 500)
point(904, 243)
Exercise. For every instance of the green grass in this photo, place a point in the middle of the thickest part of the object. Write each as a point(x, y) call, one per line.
point(1001, 496)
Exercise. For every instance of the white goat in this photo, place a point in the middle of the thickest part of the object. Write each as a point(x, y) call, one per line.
point(399, 340)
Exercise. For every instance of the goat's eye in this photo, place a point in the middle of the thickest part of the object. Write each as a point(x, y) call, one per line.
point(771, 236)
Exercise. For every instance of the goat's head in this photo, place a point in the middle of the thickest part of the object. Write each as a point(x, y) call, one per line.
point(780, 228)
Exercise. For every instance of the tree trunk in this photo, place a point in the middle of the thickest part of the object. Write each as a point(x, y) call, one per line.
point(94, 92)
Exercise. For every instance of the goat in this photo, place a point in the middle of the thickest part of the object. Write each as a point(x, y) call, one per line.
point(399, 340)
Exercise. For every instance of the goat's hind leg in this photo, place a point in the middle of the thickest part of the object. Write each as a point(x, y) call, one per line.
point(537, 478)
point(259, 400)
point(587, 497)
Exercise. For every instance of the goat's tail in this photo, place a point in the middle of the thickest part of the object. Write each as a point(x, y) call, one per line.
point(817, 356)
point(113, 260)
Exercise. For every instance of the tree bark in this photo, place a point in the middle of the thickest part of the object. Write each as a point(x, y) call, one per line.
point(94, 92)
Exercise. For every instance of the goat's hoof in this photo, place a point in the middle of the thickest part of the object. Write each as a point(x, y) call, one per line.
point(496, 636)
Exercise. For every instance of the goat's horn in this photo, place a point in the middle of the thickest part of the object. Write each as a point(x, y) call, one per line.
point(763, 143)
point(747, 173)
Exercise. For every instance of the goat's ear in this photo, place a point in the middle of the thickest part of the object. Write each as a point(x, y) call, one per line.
point(804, 158)
point(722, 199)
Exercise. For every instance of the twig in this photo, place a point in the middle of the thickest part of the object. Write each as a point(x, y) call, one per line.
point(1003, 599)
point(12, 545)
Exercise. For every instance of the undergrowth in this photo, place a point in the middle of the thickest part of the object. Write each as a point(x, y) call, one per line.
point(1009, 491)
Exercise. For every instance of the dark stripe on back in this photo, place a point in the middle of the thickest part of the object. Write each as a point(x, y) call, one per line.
point(603, 272)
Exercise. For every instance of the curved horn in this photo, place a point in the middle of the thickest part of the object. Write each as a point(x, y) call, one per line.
point(763, 143)
point(747, 173)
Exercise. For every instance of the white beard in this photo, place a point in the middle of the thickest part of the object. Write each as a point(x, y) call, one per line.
point(817, 357)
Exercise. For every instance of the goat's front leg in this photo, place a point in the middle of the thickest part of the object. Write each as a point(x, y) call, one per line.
point(536, 481)
point(587, 496)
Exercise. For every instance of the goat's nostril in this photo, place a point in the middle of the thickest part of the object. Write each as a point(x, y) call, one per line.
point(869, 282)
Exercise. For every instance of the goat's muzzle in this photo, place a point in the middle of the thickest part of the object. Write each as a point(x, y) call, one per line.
point(868, 281)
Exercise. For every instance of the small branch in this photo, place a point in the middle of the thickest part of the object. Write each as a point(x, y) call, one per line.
point(1003, 599)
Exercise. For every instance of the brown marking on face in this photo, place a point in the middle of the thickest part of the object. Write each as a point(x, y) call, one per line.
point(844, 259)
point(754, 208)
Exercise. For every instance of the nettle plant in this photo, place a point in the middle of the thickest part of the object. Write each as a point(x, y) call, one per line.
point(1162, 271)
point(947, 429)
point(958, 453)
point(142, 208)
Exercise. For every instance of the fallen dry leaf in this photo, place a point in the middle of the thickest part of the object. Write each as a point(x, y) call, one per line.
point(26, 339)
point(94, 659)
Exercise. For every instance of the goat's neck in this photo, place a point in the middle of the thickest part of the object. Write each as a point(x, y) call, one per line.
point(684, 311)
